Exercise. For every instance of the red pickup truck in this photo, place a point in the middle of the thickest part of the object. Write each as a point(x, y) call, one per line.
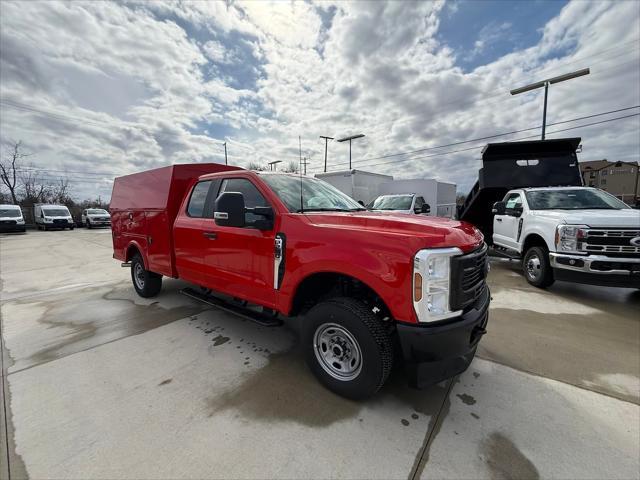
point(369, 289)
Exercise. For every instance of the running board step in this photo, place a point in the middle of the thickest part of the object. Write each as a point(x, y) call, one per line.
point(503, 253)
point(266, 320)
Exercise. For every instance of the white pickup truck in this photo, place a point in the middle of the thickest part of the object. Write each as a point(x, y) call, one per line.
point(576, 234)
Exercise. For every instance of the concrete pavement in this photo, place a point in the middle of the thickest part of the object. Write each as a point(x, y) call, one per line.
point(103, 384)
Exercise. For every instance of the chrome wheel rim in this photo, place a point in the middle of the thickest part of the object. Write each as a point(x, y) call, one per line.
point(138, 276)
point(337, 351)
point(533, 267)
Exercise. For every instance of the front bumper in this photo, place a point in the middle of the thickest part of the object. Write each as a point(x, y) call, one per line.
point(12, 227)
point(433, 353)
point(597, 270)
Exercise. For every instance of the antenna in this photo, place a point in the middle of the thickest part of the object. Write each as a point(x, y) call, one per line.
point(300, 171)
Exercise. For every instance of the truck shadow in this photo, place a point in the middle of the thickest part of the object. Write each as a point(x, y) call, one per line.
point(285, 390)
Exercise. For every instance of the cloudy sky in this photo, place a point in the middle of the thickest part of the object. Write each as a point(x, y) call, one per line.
point(100, 89)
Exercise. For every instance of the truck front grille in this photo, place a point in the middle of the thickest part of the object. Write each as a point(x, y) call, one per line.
point(468, 278)
point(8, 222)
point(615, 242)
point(59, 221)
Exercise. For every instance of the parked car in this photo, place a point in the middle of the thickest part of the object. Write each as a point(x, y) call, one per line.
point(401, 203)
point(368, 288)
point(96, 217)
point(578, 234)
point(48, 216)
point(11, 219)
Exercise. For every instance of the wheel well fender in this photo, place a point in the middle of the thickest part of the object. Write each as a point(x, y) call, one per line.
point(322, 285)
point(132, 249)
point(533, 240)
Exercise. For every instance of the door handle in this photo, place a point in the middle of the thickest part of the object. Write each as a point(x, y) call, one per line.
point(499, 219)
point(210, 235)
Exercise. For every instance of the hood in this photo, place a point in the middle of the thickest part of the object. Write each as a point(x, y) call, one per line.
point(437, 232)
point(594, 218)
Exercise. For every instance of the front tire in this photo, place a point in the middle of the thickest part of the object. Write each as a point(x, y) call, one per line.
point(88, 225)
point(537, 268)
point(147, 284)
point(347, 347)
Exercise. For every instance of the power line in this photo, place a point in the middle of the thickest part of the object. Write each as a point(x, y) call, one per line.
point(515, 140)
point(410, 152)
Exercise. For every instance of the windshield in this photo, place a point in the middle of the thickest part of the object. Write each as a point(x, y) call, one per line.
point(56, 212)
point(97, 211)
point(10, 212)
point(573, 199)
point(317, 195)
point(392, 203)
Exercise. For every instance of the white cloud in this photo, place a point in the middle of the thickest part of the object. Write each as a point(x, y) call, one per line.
point(131, 86)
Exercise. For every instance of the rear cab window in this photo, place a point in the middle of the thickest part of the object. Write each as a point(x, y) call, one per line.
point(198, 199)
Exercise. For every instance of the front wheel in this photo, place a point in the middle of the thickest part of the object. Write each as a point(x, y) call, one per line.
point(347, 347)
point(88, 224)
point(537, 268)
point(147, 284)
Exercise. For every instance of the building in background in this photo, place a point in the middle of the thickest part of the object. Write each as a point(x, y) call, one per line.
point(618, 178)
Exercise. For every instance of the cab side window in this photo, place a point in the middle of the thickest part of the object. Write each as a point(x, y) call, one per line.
point(198, 199)
point(513, 202)
point(252, 198)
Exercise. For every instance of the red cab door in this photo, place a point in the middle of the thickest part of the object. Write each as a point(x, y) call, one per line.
point(240, 261)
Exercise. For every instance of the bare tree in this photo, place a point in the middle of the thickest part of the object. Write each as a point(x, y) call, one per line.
point(9, 168)
point(59, 192)
point(256, 166)
point(291, 167)
point(35, 190)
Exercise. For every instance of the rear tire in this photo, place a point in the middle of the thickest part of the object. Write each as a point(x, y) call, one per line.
point(537, 268)
point(147, 284)
point(347, 347)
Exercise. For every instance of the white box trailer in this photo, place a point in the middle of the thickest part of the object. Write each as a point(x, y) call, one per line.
point(361, 186)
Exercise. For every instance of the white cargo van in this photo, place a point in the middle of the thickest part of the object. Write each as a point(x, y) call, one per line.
point(11, 219)
point(49, 216)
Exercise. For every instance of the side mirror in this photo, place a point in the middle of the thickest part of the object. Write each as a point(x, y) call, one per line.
point(229, 210)
point(426, 208)
point(499, 208)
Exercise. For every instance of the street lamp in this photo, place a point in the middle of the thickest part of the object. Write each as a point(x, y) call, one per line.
point(545, 84)
point(272, 165)
point(352, 137)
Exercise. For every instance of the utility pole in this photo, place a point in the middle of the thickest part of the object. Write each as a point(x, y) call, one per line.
point(225, 153)
point(326, 139)
point(545, 84)
point(304, 164)
point(300, 148)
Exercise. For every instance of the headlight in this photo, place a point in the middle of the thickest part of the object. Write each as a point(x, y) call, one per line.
point(48, 220)
point(21, 221)
point(569, 238)
point(431, 284)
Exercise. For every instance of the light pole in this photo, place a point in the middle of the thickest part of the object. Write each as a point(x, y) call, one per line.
point(545, 84)
point(225, 153)
point(326, 139)
point(352, 137)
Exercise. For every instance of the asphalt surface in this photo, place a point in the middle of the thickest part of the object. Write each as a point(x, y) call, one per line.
point(99, 383)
